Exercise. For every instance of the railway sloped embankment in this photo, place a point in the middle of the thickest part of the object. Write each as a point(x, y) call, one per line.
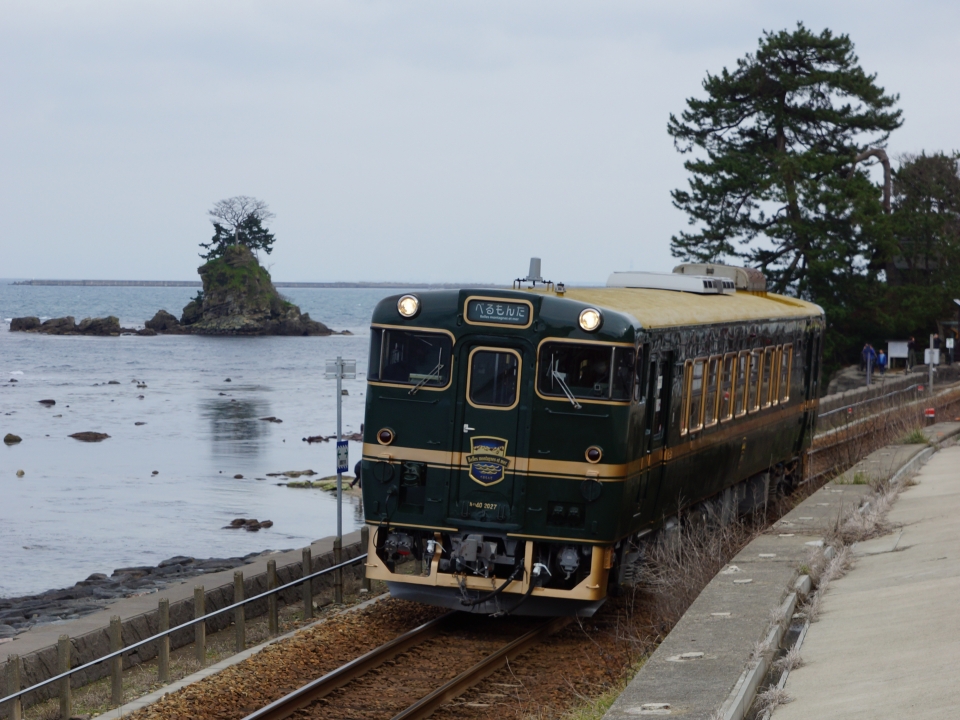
point(731, 644)
point(717, 657)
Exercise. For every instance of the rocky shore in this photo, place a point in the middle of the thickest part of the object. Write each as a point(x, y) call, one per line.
point(21, 613)
point(238, 298)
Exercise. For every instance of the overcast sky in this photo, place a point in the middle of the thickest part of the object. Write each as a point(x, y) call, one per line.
point(416, 141)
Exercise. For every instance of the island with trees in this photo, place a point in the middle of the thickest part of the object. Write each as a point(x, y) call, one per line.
point(237, 296)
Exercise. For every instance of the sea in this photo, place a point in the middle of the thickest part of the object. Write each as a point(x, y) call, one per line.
point(166, 482)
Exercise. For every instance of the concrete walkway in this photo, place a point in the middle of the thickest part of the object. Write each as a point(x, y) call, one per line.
point(887, 644)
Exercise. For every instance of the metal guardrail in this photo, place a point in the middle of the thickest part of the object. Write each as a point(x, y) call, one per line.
point(183, 626)
point(849, 407)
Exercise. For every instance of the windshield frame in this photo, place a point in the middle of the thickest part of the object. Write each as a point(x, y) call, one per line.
point(583, 399)
point(419, 330)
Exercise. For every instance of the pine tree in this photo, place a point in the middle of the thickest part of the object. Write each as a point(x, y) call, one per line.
point(775, 182)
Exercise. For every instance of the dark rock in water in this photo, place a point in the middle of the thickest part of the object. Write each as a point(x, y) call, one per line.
point(94, 578)
point(238, 476)
point(147, 332)
point(90, 436)
point(59, 326)
point(164, 322)
point(67, 326)
point(192, 314)
point(176, 560)
point(155, 472)
point(113, 382)
point(239, 299)
point(48, 403)
point(139, 422)
point(11, 439)
point(272, 419)
point(228, 380)
point(267, 524)
point(254, 527)
point(109, 325)
point(24, 324)
point(14, 380)
point(344, 391)
point(237, 522)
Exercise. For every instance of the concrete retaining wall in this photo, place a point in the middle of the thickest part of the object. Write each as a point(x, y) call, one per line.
point(40, 665)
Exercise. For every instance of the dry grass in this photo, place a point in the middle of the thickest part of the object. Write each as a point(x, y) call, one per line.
point(678, 564)
point(770, 699)
point(789, 662)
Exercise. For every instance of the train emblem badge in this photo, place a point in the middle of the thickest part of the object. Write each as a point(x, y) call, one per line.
point(487, 459)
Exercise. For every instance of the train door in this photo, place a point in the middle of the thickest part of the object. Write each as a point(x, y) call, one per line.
point(659, 381)
point(488, 430)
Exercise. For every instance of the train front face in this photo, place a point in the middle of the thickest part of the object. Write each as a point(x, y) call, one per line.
point(495, 449)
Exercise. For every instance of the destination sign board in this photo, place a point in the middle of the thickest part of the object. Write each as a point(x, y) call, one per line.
point(499, 313)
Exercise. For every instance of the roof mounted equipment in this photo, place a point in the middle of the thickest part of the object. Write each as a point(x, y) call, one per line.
point(699, 284)
point(533, 276)
point(744, 278)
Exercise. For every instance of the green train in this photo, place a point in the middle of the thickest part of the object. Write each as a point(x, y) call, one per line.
point(518, 443)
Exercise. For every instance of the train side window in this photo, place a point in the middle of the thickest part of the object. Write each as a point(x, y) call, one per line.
point(786, 368)
point(623, 369)
point(656, 398)
point(638, 384)
point(728, 368)
point(767, 377)
point(775, 375)
point(753, 382)
point(740, 390)
point(710, 396)
point(692, 417)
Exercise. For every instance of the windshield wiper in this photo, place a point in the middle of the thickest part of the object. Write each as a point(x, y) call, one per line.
point(563, 386)
point(432, 375)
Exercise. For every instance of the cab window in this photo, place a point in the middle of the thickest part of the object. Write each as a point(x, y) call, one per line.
point(591, 372)
point(410, 357)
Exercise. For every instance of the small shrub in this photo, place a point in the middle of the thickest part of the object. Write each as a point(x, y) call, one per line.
point(915, 437)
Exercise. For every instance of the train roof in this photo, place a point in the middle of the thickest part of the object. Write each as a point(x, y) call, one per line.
point(671, 308)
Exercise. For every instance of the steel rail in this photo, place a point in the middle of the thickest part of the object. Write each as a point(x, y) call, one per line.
point(322, 686)
point(426, 706)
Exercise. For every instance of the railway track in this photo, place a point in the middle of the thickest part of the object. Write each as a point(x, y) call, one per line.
point(837, 448)
point(434, 649)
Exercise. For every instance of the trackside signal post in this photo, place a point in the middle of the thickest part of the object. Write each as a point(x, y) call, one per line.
point(340, 370)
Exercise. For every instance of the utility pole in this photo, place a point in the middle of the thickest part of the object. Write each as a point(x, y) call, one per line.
point(340, 370)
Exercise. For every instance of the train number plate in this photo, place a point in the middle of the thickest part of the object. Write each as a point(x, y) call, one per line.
point(500, 313)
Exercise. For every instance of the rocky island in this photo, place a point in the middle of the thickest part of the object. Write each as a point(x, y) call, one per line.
point(238, 298)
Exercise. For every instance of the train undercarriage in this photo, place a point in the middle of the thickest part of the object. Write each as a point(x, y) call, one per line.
point(497, 574)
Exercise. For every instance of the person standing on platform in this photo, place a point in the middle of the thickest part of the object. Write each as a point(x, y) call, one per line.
point(869, 356)
point(882, 362)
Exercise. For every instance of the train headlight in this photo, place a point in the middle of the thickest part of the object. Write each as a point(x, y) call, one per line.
point(408, 305)
point(591, 319)
point(385, 436)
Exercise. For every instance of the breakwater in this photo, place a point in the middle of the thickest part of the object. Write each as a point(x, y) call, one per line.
point(197, 283)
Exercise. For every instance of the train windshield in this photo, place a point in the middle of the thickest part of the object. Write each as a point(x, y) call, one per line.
point(410, 357)
point(602, 372)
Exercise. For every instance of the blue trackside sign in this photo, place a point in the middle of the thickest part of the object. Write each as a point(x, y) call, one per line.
point(343, 456)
